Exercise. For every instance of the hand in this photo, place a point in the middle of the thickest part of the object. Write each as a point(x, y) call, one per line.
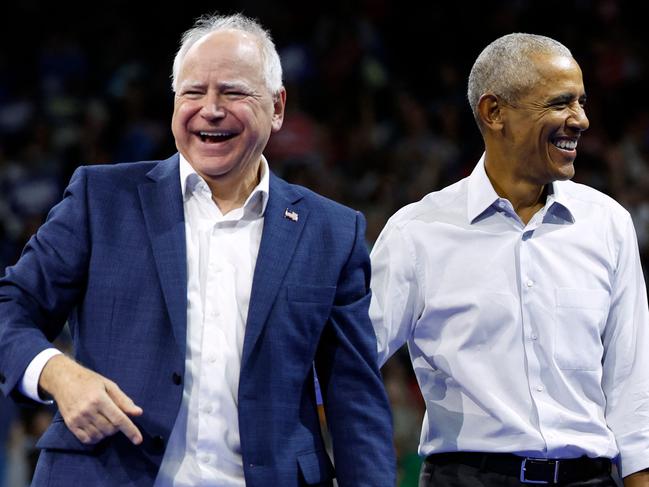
point(638, 479)
point(92, 406)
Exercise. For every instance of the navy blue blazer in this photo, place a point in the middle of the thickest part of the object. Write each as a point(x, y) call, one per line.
point(110, 260)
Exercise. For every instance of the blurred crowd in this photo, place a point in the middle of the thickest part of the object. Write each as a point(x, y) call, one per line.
point(376, 118)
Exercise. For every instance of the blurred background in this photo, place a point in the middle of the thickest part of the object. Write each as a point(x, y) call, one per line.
point(376, 117)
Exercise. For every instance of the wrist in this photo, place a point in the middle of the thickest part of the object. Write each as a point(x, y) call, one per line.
point(51, 375)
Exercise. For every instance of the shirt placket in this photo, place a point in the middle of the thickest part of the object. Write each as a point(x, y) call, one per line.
point(212, 356)
point(536, 326)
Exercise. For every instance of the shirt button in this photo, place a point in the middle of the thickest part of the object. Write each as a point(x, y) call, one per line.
point(534, 336)
point(205, 459)
point(158, 444)
point(207, 409)
point(501, 204)
point(540, 388)
point(212, 359)
point(529, 283)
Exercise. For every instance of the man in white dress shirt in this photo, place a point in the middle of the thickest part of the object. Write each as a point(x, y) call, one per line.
point(520, 295)
point(203, 295)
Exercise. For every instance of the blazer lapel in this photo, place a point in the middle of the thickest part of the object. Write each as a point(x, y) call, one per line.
point(162, 206)
point(284, 221)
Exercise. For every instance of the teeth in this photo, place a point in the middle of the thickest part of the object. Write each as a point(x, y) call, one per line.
point(214, 134)
point(566, 144)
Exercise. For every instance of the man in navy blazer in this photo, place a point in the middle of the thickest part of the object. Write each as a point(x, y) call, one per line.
point(203, 295)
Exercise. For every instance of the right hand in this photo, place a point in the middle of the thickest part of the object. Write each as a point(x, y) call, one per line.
point(92, 406)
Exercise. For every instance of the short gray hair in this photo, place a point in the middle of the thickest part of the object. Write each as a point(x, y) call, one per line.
point(207, 24)
point(506, 67)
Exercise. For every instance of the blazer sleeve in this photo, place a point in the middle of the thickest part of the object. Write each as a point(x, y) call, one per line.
point(356, 404)
point(39, 291)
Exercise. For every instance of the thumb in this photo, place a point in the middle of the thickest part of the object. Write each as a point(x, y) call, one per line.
point(122, 401)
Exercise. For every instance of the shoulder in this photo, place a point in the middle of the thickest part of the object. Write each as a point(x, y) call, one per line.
point(117, 171)
point(446, 205)
point(598, 214)
point(123, 176)
point(318, 204)
point(587, 199)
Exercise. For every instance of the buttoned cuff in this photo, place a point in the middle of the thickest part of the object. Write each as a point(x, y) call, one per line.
point(28, 385)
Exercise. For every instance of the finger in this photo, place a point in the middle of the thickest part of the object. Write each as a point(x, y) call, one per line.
point(89, 435)
point(81, 435)
point(127, 427)
point(93, 427)
point(104, 425)
point(122, 401)
point(122, 423)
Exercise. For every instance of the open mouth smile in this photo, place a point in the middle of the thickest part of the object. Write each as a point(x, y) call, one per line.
point(214, 137)
point(565, 144)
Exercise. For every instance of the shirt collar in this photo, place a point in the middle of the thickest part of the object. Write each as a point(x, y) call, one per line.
point(558, 198)
point(482, 195)
point(257, 199)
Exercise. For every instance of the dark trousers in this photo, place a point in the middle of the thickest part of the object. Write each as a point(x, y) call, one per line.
point(460, 475)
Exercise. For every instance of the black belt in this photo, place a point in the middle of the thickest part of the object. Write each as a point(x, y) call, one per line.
point(529, 470)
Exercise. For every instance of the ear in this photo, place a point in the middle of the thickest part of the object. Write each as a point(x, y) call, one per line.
point(279, 104)
point(490, 111)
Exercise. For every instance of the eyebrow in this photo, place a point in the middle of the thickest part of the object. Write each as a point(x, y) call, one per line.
point(191, 84)
point(226, 85)
point(230, 85)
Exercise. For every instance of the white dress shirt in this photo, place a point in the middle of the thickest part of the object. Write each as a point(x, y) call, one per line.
point(204, 448)
point(528, 339)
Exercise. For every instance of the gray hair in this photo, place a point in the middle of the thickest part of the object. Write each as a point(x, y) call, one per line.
point(506, 67)
point(207, 24)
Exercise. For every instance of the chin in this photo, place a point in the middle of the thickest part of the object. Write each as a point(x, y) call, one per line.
point(566, 173)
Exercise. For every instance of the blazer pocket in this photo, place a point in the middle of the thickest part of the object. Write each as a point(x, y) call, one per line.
point(580, 318)
point(315, 467)
point(59, 437)
point(311, 294)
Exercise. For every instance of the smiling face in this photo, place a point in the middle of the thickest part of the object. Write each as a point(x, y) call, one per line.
point(541, 129)
point(223, 111)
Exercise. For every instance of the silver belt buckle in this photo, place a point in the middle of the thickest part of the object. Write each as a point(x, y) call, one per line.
point(523, 477)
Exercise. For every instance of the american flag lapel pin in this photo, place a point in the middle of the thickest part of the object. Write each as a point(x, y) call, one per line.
point(290, 214)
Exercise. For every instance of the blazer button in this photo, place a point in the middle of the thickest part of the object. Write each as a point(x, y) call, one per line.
point(2, 379)
point(157, 444)
point(176, 378)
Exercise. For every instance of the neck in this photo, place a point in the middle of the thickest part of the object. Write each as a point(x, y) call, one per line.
point(525, 196)
point(230, 191)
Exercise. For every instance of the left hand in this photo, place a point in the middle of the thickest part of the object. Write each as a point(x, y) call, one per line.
point(638, 479)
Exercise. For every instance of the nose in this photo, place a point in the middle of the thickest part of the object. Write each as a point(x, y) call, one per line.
point(212, 108)
point(578, 119)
